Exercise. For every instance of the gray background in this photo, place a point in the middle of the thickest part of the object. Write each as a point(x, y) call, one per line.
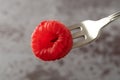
point(99, 60)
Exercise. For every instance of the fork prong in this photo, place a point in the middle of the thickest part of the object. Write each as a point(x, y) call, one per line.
point(77, 34)
point(75, 26)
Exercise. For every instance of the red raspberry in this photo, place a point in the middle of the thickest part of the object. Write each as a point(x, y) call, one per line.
point(51, 40)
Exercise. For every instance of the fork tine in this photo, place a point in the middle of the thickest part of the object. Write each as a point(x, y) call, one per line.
point(77, 34)
point(75, 26)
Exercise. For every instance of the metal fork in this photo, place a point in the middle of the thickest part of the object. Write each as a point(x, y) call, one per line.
point(90, 30)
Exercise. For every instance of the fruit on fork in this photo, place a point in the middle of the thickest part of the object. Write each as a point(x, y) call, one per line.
point(51, 40)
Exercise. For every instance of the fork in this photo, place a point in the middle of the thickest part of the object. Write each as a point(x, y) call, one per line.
point(90, 30)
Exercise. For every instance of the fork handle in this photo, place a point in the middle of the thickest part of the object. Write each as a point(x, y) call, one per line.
point(105, 21)
point(114, 16)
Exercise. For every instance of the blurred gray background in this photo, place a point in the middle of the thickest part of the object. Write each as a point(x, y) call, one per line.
point(99, 60)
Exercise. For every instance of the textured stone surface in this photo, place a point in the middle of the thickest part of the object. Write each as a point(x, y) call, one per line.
point(99, 60)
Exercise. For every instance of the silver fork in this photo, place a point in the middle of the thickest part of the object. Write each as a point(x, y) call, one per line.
point(90, 30)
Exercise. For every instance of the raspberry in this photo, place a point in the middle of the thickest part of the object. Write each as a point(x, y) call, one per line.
point(51, 40)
